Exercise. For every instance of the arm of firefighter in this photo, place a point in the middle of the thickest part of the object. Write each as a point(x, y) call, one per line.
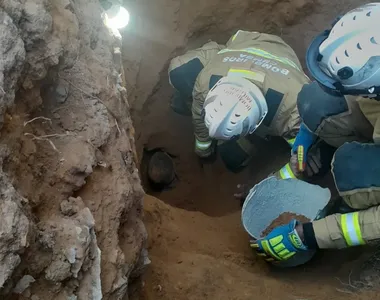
point(343, 230)
point(203, 142)
point(355, 168)
point(287, 171)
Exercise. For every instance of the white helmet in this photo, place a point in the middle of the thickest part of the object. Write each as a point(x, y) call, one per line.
point(234, 107)
point(347, 58)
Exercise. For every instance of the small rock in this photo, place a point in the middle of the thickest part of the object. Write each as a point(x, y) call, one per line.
point(55, 288)
point(69, 207)
point(35, 297)
point(71, 255)
point(23, 284)
point(46, 239)
point(61, 91)
point(159, 288)
point(58, 271)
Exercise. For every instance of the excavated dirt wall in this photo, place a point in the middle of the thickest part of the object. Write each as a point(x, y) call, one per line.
point(70, 203)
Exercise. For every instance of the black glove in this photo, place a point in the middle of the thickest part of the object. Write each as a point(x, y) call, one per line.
point(319, 159)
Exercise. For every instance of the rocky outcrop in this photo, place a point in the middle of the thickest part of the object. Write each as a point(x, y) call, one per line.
point(12, 52)
point(15, 229)
point(70, 193)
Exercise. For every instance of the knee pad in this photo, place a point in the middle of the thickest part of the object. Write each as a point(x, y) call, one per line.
point(183, 76)
point(315, 105)
point(357, 166)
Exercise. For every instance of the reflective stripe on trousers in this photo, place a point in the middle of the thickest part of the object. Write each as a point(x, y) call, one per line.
point(351, 229)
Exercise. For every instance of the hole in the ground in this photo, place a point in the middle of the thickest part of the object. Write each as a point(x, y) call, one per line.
point(208, 188)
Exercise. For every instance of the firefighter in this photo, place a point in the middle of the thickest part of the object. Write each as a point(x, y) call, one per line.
point(239, 91)
point(342, 107)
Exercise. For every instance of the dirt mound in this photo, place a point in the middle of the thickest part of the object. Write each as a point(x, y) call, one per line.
point(199, 257)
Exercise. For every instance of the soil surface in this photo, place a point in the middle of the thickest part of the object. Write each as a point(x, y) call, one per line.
point(195, 256)
point(283, 219)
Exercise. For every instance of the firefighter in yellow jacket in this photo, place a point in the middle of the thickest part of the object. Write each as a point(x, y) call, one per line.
point(343, 109)
point(232, 90)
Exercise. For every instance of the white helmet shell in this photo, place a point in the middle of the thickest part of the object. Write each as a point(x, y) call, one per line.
point(351, 52)
point(234, 107)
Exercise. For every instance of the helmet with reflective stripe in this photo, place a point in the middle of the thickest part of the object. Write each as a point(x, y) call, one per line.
point(346, 59)
point(234, 107)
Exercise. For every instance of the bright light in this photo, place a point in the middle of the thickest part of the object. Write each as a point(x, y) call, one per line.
point(118, 21)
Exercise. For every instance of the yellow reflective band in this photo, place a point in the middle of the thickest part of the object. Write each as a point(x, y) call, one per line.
point(291, 142)
point(268, 250)
point(259, 77)
point(262, 53)
point(351, 229)
point(357, 229)
point(202, 145)
point(343, 220)
point(290, 170)
point(286, 172)
point(235, 35)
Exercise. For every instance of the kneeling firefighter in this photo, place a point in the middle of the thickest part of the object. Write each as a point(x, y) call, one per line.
point(251, 83)
point(343, 109)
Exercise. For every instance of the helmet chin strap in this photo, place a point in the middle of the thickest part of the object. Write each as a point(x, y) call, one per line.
point(372, 93)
